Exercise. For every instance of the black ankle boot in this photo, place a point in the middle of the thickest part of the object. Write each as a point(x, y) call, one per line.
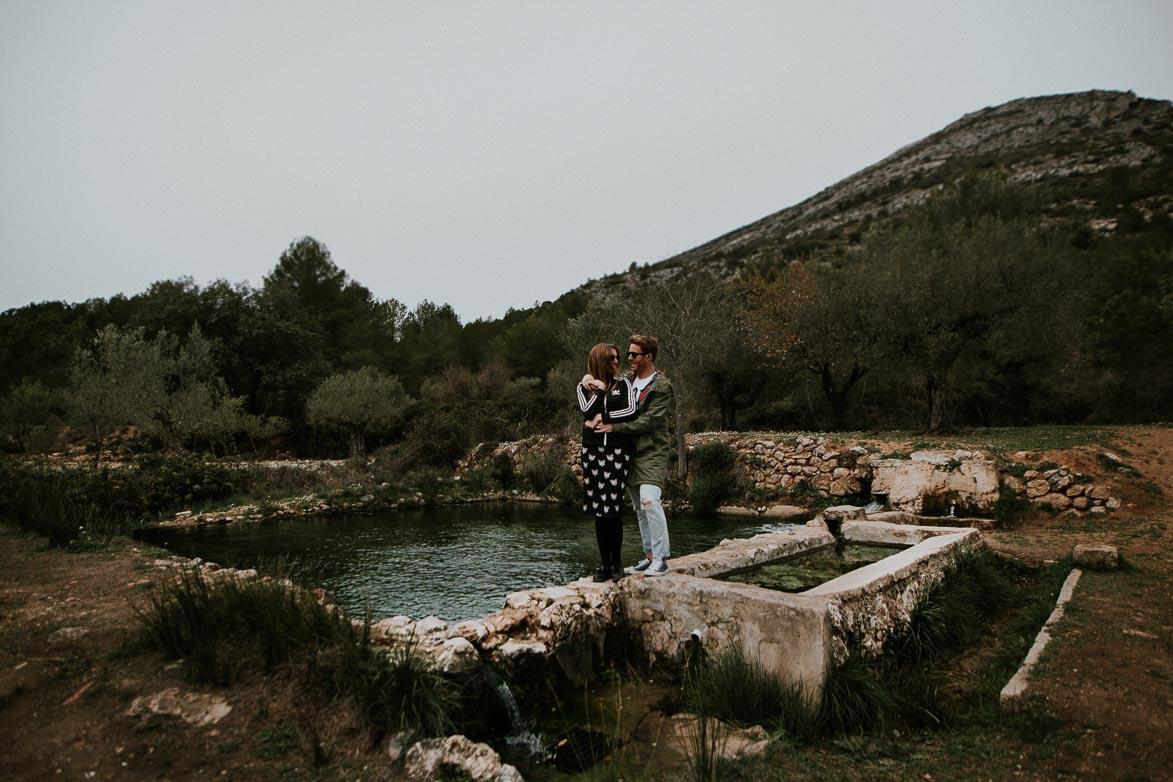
point(603, 573)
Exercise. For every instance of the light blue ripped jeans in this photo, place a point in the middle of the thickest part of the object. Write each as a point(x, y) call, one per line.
point(653, 524)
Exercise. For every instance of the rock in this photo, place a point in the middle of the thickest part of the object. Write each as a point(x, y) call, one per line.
point(1057, 501)
point(844, 513)
point(67, 634)
point(458, 656)
point(1037, 488)
point(1099, 492)
point(973, 483)
point(457, 757)
point(1081, 503)
point(430, 625)
point(191, 707)
point(1096, 556)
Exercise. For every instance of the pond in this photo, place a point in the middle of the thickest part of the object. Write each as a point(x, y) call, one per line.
point(455, 562)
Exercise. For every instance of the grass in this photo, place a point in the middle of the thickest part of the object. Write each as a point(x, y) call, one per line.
point(739, 690)
point(226, 628)
point(903, 689)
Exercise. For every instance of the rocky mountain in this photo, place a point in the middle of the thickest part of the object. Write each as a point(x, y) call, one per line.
point(1102, 157)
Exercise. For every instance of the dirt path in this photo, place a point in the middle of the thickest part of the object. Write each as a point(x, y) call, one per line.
point(1109, 675)
point(65, 688)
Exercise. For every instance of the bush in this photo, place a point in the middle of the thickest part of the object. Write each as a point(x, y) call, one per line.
point(732, 688)
point(1011, 507)
point(224, 628)
point(713, 480)
point(540, 470)
point(568, 488)
point(57, 505)
point(63, 503)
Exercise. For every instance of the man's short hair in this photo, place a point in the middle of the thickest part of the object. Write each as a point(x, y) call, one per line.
point(647, 344)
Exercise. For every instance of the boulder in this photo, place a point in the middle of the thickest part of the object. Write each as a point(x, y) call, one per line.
point(191, 707)
point(457, 757)
point(942, 476)
point(1096, 556)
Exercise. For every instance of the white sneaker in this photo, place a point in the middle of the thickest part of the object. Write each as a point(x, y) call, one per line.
point(657, 568)
point(640, 567)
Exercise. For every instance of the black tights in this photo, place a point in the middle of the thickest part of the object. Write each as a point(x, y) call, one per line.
point(609, 534)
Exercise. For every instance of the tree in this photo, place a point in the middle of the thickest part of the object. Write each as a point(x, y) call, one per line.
point(111, 381)
point(692, 317)
point(168, 388)
point(353, 324)
point(362, 401)
point(797, 318)
point(24, 408)
point(968, 279)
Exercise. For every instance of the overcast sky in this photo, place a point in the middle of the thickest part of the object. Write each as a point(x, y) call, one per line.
point(486, 154)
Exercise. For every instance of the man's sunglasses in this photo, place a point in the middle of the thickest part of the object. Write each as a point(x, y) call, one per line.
point(630, 354)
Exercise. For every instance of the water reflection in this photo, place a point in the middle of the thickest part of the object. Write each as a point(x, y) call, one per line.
point(456, 563)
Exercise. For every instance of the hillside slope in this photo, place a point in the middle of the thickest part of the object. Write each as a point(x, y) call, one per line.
point(1102, 157)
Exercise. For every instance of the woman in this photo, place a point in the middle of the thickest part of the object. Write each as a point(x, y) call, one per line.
point(605, 397)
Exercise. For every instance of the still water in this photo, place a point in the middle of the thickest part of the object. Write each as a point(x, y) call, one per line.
point(454, 562)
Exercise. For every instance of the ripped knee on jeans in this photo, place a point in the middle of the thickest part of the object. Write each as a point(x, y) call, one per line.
point(646, 503)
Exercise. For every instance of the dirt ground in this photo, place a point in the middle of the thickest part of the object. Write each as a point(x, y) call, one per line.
point(67, 682)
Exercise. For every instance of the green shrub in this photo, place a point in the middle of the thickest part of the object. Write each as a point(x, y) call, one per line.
point(224, 628)
point(713, 457)
point(1011, 507)
point(735, 689)
point(540, 470)
point(855, 698)
point(58, 504)
point(567, 488)
point(713, 480)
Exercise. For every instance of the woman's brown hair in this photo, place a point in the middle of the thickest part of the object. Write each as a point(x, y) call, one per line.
point(599, 363)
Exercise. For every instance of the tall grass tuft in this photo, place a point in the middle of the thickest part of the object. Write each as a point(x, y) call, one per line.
point(225, 627)
point(855, 698)
point(53, 504)
point(950, 615)
point(736, 689)
point(704, 744)
point(396, 689)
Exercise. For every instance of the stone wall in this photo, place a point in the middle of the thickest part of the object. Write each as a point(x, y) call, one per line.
point(1061, 489)
point(774, 466)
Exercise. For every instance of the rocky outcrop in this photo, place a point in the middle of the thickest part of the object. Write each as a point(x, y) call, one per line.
point(1049, 139)
point(937, 482)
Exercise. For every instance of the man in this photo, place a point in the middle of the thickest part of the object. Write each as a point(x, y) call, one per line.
point(653, 450)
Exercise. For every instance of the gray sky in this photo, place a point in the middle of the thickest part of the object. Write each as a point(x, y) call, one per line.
point(485, 154)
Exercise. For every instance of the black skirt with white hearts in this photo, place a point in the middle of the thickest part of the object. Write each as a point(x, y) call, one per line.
point(604, 479)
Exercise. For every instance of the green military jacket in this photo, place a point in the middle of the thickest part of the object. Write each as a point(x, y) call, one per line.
point(653, 443)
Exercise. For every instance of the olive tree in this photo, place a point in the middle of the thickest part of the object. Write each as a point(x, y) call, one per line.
point(361, 401)
point(167, 388)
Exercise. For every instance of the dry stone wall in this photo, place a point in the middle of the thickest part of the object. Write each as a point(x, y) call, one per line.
point(774, 466)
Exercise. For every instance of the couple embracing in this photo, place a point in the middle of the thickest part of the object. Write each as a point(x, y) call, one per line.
point(625, 451)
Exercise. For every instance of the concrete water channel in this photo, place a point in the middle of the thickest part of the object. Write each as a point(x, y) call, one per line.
point(564, 630)
point(799, 636)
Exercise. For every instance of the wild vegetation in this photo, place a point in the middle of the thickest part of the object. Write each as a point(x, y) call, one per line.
point(969, 280)
point(909, 691)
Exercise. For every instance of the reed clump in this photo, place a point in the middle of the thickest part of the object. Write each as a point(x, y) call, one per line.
point(226, 628)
